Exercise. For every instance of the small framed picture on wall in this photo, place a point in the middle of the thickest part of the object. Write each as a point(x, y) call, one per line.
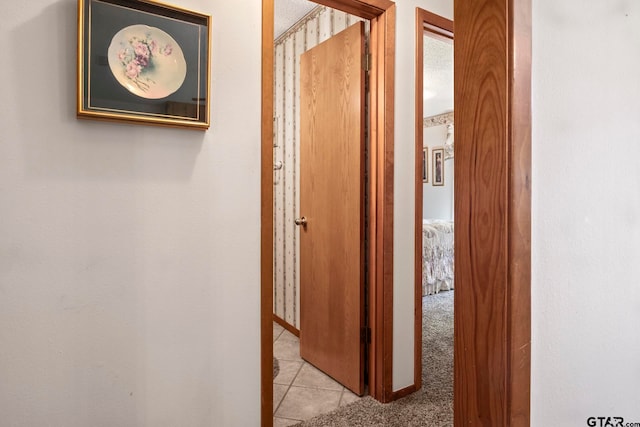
point(437, 166)
point(425, 164)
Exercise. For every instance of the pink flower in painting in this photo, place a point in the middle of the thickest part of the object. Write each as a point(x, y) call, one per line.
point(153, 46)
point(137, 57)
point(141, 50)
point(133, 69)
point(142, 60)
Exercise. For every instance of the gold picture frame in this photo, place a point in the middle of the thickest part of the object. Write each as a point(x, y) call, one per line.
point(437, 166)
point(142, 61)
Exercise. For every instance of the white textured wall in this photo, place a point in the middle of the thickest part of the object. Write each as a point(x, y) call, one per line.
point(586, 211)
point(129, 255)
point(404, 185)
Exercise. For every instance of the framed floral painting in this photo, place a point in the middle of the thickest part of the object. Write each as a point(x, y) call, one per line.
point(425, 164)
point(437, 165)
point(144, 62)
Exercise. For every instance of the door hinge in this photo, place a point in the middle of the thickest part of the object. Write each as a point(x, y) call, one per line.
point(366, 62)
point(365, 335)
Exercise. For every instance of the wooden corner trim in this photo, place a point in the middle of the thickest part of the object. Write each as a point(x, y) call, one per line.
point(404, 392)
point(493, 265)
point(266, 219)
point(286, 325)
point(519, 290)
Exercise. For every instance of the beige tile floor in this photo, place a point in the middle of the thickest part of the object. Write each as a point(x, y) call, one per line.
point(300, 391)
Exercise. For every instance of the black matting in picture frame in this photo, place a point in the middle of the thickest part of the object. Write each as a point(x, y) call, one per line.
point(143, 62)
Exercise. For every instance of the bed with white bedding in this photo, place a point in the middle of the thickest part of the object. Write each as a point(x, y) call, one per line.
point(437, 256)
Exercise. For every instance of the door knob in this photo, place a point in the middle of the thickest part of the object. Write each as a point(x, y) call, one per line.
point(301, 221)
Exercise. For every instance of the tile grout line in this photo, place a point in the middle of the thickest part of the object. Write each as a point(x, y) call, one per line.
point(291, 384)
point(341, 396)
point(288, 388)
point(315, 387)
point(279, 335)
point(288, 419)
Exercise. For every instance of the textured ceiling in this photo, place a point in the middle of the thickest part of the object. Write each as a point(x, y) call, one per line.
point(288, 12)
point(438, 76)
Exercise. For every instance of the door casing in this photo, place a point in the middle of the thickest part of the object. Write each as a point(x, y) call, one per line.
point(442, 28)
point(488, 36)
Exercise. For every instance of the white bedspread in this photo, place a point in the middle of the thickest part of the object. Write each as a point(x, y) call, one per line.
point(437, 256)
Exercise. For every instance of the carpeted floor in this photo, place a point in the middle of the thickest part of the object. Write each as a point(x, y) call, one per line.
point(432, 406)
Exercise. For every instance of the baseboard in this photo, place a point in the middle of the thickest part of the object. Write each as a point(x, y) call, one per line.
point(280, 321)
point(403, 392)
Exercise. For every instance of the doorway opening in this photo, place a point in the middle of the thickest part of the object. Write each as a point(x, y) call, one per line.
point(381, 14)
point(434, 238)
point(319, 205)
point(493, 207)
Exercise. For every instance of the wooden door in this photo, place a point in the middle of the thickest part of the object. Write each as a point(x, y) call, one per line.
point(331, 201)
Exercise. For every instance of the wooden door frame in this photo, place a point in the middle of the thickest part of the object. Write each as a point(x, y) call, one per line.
point(492, 115)
point(492, 346)
point(442, 27)
point(492, 149)
point(381, 14)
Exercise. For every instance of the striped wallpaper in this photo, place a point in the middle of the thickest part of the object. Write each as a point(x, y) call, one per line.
point(320, 24)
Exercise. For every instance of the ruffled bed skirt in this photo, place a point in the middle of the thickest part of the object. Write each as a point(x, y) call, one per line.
point(437, 256)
